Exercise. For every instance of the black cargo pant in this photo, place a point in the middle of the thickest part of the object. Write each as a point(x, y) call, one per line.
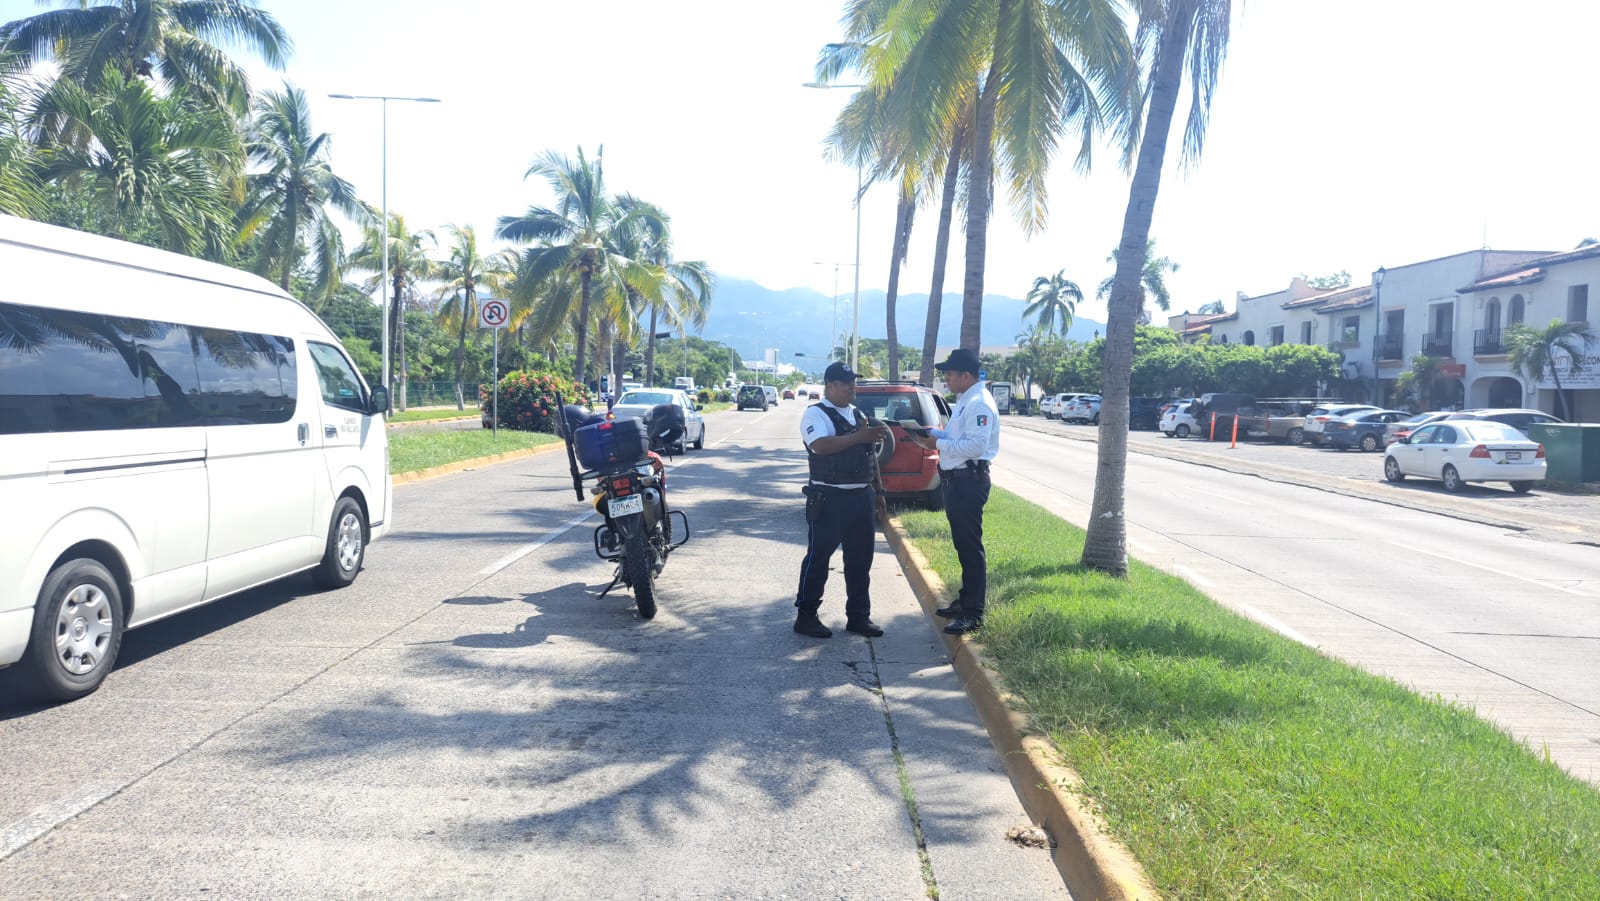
point(838, 517)
point(965, 493)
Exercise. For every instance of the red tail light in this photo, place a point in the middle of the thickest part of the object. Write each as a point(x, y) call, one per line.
point(1479, 453)
point(1539, 455)
point(622, 486)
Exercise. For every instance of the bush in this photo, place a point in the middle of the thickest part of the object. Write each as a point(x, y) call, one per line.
point(703, 396)
point(528, 400)
point(724, 396)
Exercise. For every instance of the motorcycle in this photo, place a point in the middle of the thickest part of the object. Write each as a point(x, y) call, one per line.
point(622, 459)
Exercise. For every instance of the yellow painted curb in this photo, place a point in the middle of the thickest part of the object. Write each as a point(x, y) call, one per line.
point(422, 475)
point(1092, 863)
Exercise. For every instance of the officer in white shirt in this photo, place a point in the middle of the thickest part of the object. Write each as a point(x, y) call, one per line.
point(965, 450)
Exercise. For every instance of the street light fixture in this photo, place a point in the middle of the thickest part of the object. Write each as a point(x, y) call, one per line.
point(385, 376)
point(1377, 333)
point(855, 329)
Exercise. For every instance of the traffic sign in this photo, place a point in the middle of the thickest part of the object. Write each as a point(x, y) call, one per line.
point(495, 313)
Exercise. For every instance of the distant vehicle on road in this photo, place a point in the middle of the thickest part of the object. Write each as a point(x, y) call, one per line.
point(751, 397)
point(772, 394)
point(1364, 429)
point(1084, 408)
point(1460, 451)
point(788, 394)
point(640, 403)
point(684, 383)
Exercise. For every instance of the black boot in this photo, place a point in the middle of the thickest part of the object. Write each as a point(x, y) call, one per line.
point(809, 624)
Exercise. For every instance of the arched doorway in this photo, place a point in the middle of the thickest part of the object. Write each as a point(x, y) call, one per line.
point(1503, 392)
point(1449, 394)
point(1249, 338)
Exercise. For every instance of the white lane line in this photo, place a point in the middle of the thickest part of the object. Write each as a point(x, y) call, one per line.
point(1490, 569)
point(1277, 626)
point(527, 549)
point(18, 835)
point(1194, 577)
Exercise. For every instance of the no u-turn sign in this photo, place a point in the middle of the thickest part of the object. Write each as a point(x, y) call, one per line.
point(495, 313)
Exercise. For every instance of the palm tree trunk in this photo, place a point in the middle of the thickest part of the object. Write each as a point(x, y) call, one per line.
point(1105, 544)
point(902, 238)
point(578, 372)
point(650, 352)
point(979, 192)
point(469, 299)
point(941, 253)
point(397, 328)
point(293, 231)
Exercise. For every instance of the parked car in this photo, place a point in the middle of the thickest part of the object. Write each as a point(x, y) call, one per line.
point(1144, 413)
point(911, 472)
point(1282, 420)
point(1517, 419)
point(1176, 421)
point(640, 403)
point(788, 394)
point(1317, 419)
point(1404, 427)
point(1214, 413)
point(1460, 451)
point(1083, 408)
point(751, 397)
point(772, 394)
point(1364, 429)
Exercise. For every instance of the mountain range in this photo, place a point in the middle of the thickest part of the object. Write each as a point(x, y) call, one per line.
point(751, 318)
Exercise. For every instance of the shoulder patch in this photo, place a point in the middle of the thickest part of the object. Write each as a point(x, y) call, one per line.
point(810, 429)
point(983, 420)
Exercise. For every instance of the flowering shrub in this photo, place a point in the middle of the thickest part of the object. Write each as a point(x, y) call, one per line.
point(528, 400)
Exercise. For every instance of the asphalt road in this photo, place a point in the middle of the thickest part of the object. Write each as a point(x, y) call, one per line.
point(470, 720)
point(1488, 616)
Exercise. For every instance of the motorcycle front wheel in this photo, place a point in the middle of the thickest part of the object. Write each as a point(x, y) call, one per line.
point(639, 560)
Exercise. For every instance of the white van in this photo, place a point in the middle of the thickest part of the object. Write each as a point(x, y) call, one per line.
point(172, 432)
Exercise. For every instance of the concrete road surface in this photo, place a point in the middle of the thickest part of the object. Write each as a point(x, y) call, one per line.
point(470, 720)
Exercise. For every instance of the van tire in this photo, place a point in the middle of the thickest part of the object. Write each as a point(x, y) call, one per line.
point(346, 547)
point(82, 603)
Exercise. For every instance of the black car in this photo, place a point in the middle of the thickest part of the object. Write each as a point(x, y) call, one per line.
point(752, 397)
point(1145, 412)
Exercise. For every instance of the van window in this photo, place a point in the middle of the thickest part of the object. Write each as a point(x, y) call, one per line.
point(66, 371)
point(340, 386)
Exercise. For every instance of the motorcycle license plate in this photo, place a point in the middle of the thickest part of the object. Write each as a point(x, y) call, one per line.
point(622, 506)
point(1513, 455)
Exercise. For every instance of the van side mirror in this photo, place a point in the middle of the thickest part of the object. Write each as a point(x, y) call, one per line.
point(378, 402)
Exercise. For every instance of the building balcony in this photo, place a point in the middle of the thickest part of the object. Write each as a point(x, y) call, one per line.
point(1390, 346)
point(1488, 342)
point(1437, 345)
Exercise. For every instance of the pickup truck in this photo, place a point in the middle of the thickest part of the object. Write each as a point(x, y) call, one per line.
point(1281, 420)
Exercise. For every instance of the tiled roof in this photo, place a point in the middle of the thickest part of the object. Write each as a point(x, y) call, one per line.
point(1325, 297)
point(1201, 325)
point(1531, 271)
point(1346, 300)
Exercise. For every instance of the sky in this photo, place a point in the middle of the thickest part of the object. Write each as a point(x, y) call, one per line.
point(1344, 136)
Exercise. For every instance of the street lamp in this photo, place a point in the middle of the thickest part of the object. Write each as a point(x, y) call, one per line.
point(855, 328)
point(1377, 334)
point(385, 376)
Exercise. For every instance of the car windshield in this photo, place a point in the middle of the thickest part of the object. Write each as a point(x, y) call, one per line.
point(893, 406)
point(646, 398)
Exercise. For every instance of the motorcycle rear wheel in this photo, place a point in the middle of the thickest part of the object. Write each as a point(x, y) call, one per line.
point(641, 571)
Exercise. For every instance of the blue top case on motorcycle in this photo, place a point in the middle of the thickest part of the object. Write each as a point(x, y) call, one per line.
point(612, 444)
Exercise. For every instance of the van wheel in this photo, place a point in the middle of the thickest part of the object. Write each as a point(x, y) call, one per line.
point(1182, 431)
point(77, 630)
point(346, 547)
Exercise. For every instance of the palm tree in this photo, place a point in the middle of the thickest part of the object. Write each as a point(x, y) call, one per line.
point(1420, 383)
point(175, 40)
point(1174, 36)
point(1152, 282)
point(1214, 308)
point(409, 264)
point(1533, 352)
point(159, 159)
point(19, 186)
point(461, 274)
point(1053, 298)
point(577, 250)
point(288, 200)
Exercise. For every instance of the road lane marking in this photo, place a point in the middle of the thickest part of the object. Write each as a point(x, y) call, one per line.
point(1277, 626)
point(20, 834)
point(527, 549)
point(1490, 569)
point(1195, 577)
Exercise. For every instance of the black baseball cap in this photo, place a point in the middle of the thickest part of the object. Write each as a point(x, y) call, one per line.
point(960, 360)
point(838, 372)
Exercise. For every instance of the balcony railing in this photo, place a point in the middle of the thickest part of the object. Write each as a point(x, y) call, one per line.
point(1437, 345)
point(1488, 341)
point(1389, 346)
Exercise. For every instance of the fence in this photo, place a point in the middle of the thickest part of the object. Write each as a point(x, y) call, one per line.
point(436, 394)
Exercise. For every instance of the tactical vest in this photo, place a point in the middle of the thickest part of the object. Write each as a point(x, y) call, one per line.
point(852, 466)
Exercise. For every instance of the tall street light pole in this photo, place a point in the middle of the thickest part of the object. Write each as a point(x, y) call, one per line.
point(855, 328)
point(386, 377)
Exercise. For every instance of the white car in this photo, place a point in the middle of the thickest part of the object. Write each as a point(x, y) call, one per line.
point(1517, 419)
point(1317, 419)
point(1082, 408)
point(640, 403)
point(1177, 421)
point(1051, 406)
point(1460, 451)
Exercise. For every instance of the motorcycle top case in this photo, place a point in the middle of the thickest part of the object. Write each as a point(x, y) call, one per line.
point(604, 445)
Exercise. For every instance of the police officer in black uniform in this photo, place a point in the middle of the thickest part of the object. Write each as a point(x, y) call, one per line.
point(843, 499)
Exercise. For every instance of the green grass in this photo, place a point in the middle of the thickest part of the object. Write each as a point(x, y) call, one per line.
point(412, 452)
point(1236, 763)
point(428, 415)
point(715, 407)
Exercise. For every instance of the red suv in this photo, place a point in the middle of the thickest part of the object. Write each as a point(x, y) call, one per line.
point(910, 473)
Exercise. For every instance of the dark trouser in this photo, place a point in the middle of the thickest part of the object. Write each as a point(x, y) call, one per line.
point(964, 497)
point(836, 517)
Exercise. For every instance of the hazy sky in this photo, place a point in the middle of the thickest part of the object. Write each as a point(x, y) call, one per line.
point(1345, 135)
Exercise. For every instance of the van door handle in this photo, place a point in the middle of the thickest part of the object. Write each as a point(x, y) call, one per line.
point(329, 431)
point(305, 433)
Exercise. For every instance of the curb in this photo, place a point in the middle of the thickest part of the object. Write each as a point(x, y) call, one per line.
point(415, 422)
point(432, 472)
point(1092, 863)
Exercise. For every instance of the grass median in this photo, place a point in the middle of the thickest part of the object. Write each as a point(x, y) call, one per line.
point(411, 452)
point(432, 414)
point(1235, 763)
